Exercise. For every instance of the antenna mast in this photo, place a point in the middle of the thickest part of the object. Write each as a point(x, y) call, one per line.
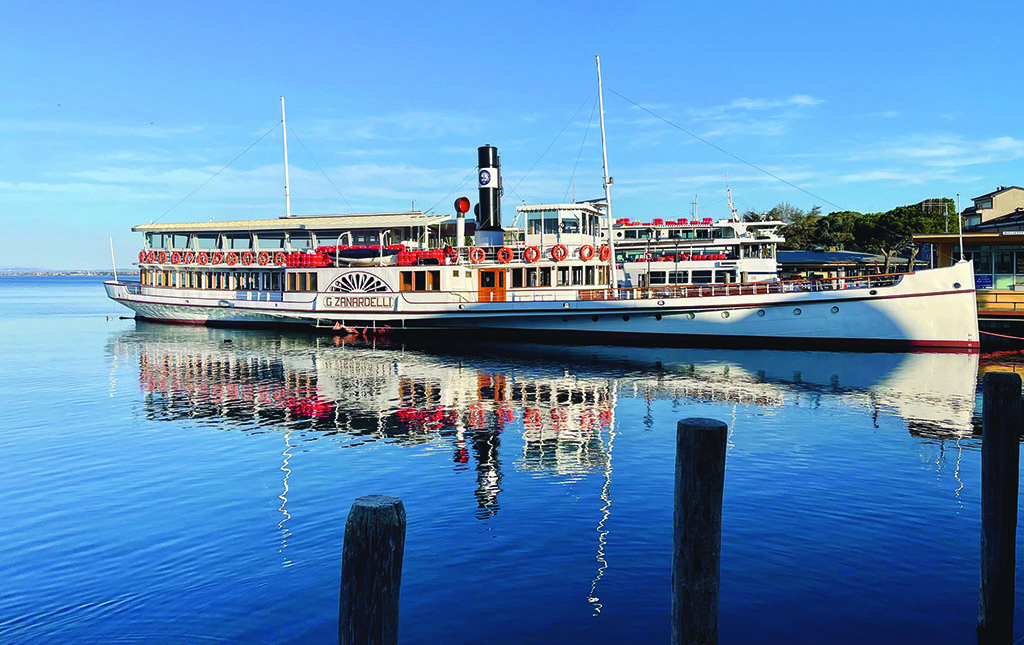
point(735, 215)
point(607, 179)
point(284, 137)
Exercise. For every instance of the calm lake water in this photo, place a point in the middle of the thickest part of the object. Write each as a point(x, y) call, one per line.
point(166, 485)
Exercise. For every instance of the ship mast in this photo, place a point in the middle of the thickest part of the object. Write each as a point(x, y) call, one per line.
point(284, 137)
point(607, 180)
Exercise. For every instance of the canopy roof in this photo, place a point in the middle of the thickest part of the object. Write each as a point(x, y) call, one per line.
point(412, 219)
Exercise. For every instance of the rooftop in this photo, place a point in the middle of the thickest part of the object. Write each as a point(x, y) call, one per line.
point(411, 219)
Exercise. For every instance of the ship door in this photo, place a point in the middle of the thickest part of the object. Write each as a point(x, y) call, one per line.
point(492, 285)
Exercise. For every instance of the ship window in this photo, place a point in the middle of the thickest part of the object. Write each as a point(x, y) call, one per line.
point(533, 223)
point(657, 277)
point(291, 282)
point(276, 281)
point(550, 222)
point(270, 241)
point(701, 277)
point(577, 275)
point(726, 276)
point(237, 241)
point(531, 277)
point(590, 275)
point(563, 276)
point(299, 241)
point(545, 276)
point(419, 281)
point(156, 240)
point(206, 241)
point(405, 281)
point(313, 286)
point(703, 233)
point(678, 277)
point(179, 241)
point(517, 277)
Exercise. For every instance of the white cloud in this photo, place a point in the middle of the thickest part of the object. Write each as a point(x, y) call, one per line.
point(947, 151)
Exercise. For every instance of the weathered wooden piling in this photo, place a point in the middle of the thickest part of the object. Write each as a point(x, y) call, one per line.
point(371, 571)
point(697, 530)
point(1000, 478)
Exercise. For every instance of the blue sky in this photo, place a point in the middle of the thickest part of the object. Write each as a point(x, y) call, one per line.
point(114, 112)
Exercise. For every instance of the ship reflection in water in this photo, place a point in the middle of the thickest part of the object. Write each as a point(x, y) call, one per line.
point(561, 399)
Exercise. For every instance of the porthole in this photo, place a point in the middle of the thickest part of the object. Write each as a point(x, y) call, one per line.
point(661, 303)
point(565, 305)
point(595, 318)
point(565, 318)
point(690, 315)
point(835, 310)
point(462, 306)
point(625, 317)
point(797, 311)
point(873, 292)
point(658, 316)
point(760, 312)
point(725, 314)
point(956, 285)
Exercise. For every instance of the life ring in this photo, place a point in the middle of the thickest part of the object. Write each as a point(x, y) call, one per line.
point(142, 256)
point(604, 253)
point(247, 258)
point(151, 257)
point(559, 252)
point(280, 258)
point(263, 258)
point(231, 258)
point(504, 255)
point(161, 257)
point(217, 258)
point(476, 255)
point(203, 257)
point(189, 257)
point(531, 254)
point(176, 257)
point(586, 253)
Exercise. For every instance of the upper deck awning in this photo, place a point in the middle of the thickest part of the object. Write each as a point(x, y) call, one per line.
point(376, 221)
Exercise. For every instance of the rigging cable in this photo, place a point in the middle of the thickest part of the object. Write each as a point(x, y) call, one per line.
point(723, 150)
point(212, 177)
point(567, 124)
point(580, 153)
point(351, 210)
point(462, 183)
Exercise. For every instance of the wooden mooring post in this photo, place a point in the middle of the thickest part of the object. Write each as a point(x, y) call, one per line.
point(697, 530)
point(1000, 479)
point(371, 571)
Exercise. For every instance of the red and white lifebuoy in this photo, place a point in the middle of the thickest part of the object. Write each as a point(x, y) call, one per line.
point(504, 255)
point(247, 258)
point(586, 253)
point(203, 257)
point(176, 257)
point(280, 258)
point(476, 255)
point(531, 254)
point(559, 252)
point(231, 258)
point(161, 257)
point(142, 256)
point(604, 253)
point(217, 257)
point(263, 258)
point(189, 257)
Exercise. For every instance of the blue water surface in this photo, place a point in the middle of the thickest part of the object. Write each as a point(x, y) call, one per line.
point(180, 485)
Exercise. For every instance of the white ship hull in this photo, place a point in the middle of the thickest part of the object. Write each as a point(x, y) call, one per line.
point(933, 309)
